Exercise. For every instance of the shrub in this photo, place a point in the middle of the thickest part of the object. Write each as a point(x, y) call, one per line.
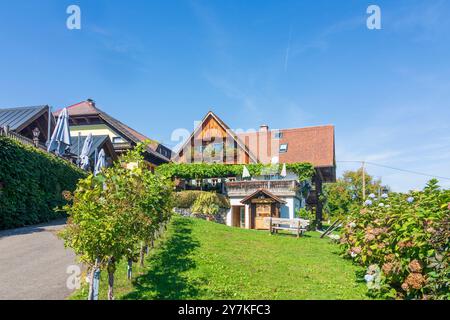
point(31, 184)
point(205, 204)
point(403, 239)
point(185, 199)
point(307, 215)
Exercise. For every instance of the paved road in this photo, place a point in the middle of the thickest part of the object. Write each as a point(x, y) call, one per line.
point(33, 263)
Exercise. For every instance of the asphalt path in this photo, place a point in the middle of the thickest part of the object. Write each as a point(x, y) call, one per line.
point(34, 264)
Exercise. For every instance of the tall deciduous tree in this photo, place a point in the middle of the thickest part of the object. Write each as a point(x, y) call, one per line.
point(347, 192)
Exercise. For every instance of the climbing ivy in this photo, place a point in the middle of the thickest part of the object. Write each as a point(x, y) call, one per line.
point(31, 184)
point(303, 170)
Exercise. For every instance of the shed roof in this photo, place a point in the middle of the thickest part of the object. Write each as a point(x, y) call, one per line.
point(267, 193)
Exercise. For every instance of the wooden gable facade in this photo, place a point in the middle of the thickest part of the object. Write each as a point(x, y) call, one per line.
point(214, 142)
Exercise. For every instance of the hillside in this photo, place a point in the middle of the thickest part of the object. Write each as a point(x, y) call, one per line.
point(204, 260)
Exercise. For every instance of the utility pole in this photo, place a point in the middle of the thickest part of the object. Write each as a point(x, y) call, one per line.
point(363, 180)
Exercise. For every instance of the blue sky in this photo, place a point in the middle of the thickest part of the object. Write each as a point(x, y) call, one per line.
point(161, 65)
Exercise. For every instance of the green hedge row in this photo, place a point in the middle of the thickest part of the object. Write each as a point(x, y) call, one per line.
point(185, 199)
point(31, 184)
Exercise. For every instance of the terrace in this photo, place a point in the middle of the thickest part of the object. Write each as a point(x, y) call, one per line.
point(277, 187)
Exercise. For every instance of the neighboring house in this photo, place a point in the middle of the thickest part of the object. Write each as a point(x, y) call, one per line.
point(98, 143)
point(85, 117)
point(268, 194)
point(23, 120)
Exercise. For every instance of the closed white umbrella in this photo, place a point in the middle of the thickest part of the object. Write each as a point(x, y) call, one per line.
point(245, 173)
point(101, 162)
point(84, 156)
point(60, 139)
point(283, 171)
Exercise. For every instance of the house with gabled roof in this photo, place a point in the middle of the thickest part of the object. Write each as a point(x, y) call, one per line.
point(269, 194)
point(23, 120)
point(85, 117)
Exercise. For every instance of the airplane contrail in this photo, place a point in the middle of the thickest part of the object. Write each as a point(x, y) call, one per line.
point(286, 58)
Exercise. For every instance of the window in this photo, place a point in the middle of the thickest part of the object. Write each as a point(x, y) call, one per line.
point(118, 140)
point(218, 147)
point(242, 216)
point(278, 135)
point(283, 147)
point(165, 152)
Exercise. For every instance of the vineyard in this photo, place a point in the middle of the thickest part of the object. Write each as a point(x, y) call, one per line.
point(115, 216)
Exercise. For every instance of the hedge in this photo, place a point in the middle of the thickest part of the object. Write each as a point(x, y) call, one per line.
point(31, 184)
point(185, 199)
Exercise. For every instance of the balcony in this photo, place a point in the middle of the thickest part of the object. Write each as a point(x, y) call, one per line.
point(277, 187)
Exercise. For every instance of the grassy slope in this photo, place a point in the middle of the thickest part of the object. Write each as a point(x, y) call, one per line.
point(204, 260)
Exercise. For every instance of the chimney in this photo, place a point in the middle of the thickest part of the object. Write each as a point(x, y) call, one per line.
point(91, 102)
point(264, 128)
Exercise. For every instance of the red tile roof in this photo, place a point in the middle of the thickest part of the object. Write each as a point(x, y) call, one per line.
point(87, 108)
point(311, 144)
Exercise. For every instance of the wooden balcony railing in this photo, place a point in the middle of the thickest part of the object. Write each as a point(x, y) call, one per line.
point(121, 146)
point(20, 138)
point(274, 186)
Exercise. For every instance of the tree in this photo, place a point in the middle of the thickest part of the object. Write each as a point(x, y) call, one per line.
point(347, 192)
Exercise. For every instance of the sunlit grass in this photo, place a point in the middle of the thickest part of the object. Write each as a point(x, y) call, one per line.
point(198, 259)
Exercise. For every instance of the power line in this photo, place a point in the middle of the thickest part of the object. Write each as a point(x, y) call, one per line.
point(398, 169)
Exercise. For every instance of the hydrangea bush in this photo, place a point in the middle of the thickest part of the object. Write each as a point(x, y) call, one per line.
point(403, 240)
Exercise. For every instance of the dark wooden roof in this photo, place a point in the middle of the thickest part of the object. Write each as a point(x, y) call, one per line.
point(264, 191)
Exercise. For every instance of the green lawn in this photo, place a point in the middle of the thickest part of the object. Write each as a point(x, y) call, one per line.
point(203, 260)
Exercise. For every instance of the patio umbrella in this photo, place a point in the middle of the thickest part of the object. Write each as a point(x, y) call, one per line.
point(84, 156)
point(245, 173)
point(60, 139)
point(101, 162)
point(283, 171)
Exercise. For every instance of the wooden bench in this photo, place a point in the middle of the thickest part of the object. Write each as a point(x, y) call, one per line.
point(296, 226)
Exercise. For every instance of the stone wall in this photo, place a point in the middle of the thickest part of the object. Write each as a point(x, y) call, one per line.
point(219, 217)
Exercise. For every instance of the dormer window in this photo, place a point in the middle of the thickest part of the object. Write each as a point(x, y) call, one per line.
point(283, 147)
point(118, 140)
